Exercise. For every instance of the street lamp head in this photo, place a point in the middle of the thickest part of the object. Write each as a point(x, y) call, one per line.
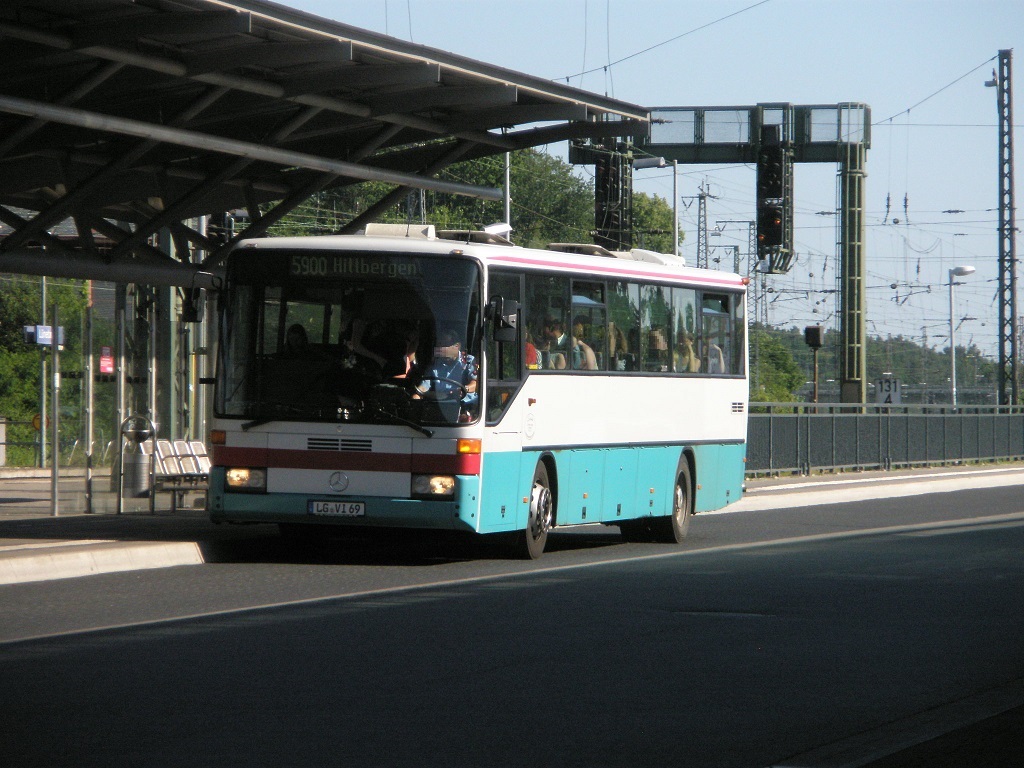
point(961, 271)
point(649, 162)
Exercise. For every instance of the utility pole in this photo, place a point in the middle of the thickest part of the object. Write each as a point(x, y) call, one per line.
point(507, 196)
point(42, 378)
point(1002, 82)
point(702, 225)
point(55, 415)
point(853, 385)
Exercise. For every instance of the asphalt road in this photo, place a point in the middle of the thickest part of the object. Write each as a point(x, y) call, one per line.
point(791, 636)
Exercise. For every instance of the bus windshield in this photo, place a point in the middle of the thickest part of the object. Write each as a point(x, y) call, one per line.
point(361, 337)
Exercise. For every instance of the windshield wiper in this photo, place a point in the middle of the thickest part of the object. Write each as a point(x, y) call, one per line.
point(263, 418)
point(396, 419)
point(257, 422)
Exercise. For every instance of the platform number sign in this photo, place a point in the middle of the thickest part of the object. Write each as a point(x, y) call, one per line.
point(887, 392)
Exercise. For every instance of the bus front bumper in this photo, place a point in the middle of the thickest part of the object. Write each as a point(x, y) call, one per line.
point(459, 512)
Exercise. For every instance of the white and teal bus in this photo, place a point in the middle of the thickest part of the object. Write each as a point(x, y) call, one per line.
point(448, 381)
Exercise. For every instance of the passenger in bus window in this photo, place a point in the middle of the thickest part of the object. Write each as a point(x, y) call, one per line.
point(407, 340)
point(716, 360)
point(532, 355)
point(657, 350)
point(368, 343)
point(686, 359)
point(390, 345)
point(633, 359)
point(554, 333)
point(617, 347)
point(553, 343)
point(296, 342)
point(583, 357)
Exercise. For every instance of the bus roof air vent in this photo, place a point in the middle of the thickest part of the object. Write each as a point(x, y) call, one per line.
point(584, 249)
point(473, 236)
point(418, 231)
point(653, 257)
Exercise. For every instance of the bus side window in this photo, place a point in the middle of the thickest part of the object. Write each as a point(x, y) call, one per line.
point(545, 314)
point(717, 328)
point(685, 356)
point(623, 326)
point(504, 364)
point(589, 326)
point(588, 335)
point(654, 326)
point(739, 329)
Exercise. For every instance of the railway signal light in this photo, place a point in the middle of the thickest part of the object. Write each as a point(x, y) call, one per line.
point(771, 172)
point(770, 225)
point(774, 194)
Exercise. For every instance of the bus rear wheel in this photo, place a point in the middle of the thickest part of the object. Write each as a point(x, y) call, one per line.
point(530, 543)
point(673, 528)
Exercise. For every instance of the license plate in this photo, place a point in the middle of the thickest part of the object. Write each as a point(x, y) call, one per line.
point(334, 508)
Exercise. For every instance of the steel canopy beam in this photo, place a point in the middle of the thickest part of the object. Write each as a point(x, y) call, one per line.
point(185, 138)
point(269, 55)
point(158, 25)
point(357, 77)
point(249, 85)
point(91, 266)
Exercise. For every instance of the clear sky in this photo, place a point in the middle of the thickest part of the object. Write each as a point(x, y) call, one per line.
point(920, 65)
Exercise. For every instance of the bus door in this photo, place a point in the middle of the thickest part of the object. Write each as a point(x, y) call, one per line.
point(504, 358)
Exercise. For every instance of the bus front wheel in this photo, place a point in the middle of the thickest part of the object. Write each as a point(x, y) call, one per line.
point(672, 529)
point(530, 543)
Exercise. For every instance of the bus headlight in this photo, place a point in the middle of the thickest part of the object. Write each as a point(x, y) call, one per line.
point(246, 479)
point(433, 485)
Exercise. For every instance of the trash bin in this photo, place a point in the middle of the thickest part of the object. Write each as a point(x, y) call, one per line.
point(135, 463)
point(136, 480)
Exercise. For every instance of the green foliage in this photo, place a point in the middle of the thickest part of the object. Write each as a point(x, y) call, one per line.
point(20, 362)
point(550, 203)
point(775, 376)
point(653, 219)
point(923, 369)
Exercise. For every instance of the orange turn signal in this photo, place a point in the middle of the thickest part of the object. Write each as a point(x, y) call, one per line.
point(469, 445)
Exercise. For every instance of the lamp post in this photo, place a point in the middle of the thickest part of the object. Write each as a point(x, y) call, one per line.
point(960, 271)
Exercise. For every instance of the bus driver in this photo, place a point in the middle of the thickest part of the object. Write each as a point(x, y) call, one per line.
point(451, 374)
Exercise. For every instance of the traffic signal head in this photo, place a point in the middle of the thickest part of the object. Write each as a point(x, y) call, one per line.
point(771, 172)
point(770, 225)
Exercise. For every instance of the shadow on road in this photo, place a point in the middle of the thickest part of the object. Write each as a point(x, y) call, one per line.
point(386, 547)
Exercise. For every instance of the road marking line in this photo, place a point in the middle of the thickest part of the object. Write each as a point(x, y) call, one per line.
point(864, 748)
point(533, 572)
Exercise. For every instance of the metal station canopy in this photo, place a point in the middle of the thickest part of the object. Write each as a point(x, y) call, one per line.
point(120, 119)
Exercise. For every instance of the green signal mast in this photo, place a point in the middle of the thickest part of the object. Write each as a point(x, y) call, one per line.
point(773, 137)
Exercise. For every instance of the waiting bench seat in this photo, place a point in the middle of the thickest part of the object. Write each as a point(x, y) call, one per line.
point(179, 467)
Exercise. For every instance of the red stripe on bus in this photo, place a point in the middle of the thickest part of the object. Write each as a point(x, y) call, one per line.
point(653, 271)
point(461, 464)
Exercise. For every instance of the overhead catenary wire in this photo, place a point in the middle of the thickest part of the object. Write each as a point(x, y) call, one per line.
point(611, 64)
point(940, 90)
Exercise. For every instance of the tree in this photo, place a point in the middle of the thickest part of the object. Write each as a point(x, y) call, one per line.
point(653, 220)
point(19, 362)
point(775, 376)
point(550, 203)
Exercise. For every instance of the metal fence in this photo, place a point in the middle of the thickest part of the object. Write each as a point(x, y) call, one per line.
point(803, 437)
